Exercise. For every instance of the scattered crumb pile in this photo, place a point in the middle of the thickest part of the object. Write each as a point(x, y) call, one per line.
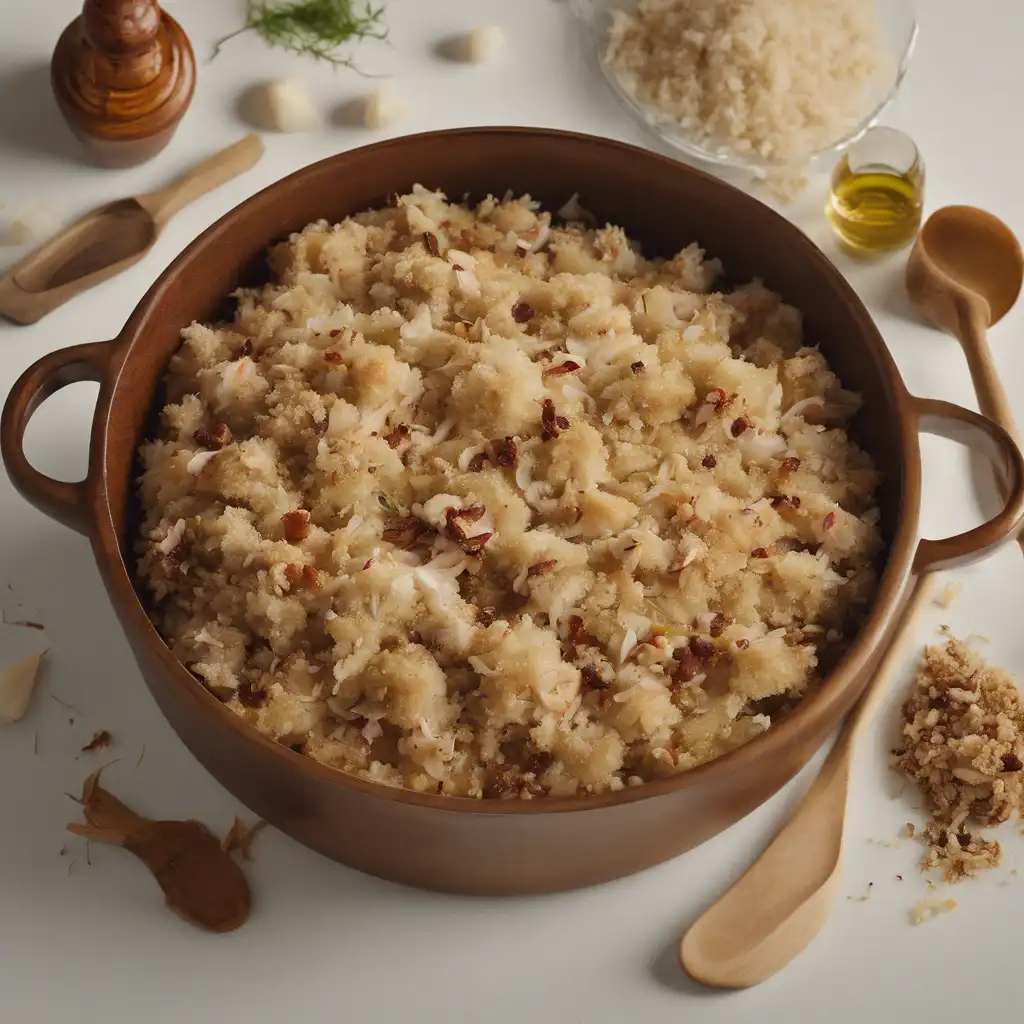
point(768, 79)
point(197, 875)
point(477, 503)
point(963, 746)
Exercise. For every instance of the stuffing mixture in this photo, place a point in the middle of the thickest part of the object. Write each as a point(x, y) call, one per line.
point(475, 502)
point(963, 747)
point(764, 79)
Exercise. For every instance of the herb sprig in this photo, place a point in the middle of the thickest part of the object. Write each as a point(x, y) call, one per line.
point(312, 28)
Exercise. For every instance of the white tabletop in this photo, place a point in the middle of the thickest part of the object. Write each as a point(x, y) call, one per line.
point(94, 943)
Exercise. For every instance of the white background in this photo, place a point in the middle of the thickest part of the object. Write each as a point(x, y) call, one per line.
point(324, 942)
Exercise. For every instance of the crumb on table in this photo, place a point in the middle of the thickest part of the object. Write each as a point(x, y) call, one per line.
point(963, 747)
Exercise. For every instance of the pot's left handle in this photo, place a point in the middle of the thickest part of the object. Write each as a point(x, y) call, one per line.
point(65, 502)
point(965, 426)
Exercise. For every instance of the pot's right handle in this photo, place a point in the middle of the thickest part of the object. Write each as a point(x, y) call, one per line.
point(65, 502)
point(962, 425)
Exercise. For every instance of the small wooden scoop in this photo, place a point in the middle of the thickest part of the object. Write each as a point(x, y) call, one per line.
point(111, 239)
point(964, 275)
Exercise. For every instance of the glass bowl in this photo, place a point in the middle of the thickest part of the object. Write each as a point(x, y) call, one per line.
point(899, 31)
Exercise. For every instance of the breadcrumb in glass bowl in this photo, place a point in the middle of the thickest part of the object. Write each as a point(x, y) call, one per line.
point(716, 80)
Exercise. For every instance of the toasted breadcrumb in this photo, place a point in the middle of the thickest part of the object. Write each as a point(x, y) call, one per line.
point(963, 747)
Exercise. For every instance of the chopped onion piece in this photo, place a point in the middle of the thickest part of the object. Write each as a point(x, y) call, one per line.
point(173, 538)
point(199, 462)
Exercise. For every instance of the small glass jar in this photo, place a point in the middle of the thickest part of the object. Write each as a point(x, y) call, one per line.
point(876, 199)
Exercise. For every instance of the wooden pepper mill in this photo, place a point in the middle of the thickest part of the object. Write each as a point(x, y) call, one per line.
point(123, 73)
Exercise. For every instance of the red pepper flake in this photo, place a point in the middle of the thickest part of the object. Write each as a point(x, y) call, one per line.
point(404, 533)
point(577, 637)
point(296, 525)
point(540, 568)
point(717, 627)
point(790, 465)
point(1012, 763)
point(453, 517)
point(709, 462)
point(335, 332)
point(430, 242)
point(785, 499)
point(590, 679)
point(477, 463)
point(98, 742)
point(221, 435)
point(250, 697)
point(458, 266)
point(549, 421)
point(522, 312)
point(562, 422)
point(703, 649)
point(474, 545)
point(637, 367)
point(369, 563)
point(398, 435)
point(569, 366)
point(828, 522)
point(718, 398)
point(215, 439)
point(302, 575)
point(759, 553)
point(506, 452)
point(485, 616)
point(688, 666)
point(738, 426)
point(742, 644)
point(246, 349)
point(330, 356)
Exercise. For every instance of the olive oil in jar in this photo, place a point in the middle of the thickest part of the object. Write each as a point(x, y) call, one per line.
point(877, 195)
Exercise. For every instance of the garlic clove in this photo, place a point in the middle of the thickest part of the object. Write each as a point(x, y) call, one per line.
point(482, 45)
point(289, 106)
point(16, 686)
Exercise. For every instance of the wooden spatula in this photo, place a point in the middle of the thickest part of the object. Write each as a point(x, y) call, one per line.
point(111, 239)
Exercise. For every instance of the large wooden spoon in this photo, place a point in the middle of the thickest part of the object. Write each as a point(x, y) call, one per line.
point(777, 908)
point(111, 239)
point(964, 275)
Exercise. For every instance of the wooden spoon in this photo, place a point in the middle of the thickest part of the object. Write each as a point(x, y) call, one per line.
point(111, 239)
point(963, 275)
point(774, 911)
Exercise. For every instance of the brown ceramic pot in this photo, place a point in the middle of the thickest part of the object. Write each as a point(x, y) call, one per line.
point(499, 847)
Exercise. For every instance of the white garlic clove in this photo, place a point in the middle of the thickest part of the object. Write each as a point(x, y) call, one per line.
point(289, 106)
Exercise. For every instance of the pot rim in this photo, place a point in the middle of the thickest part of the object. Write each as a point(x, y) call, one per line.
point(804, 719)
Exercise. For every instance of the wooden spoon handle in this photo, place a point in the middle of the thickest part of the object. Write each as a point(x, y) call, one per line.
point(773, 912)
point(992, 397)
point(222, 167)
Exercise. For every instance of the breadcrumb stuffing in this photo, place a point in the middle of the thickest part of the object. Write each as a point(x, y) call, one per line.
point(477, 502)
point(963, 748)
